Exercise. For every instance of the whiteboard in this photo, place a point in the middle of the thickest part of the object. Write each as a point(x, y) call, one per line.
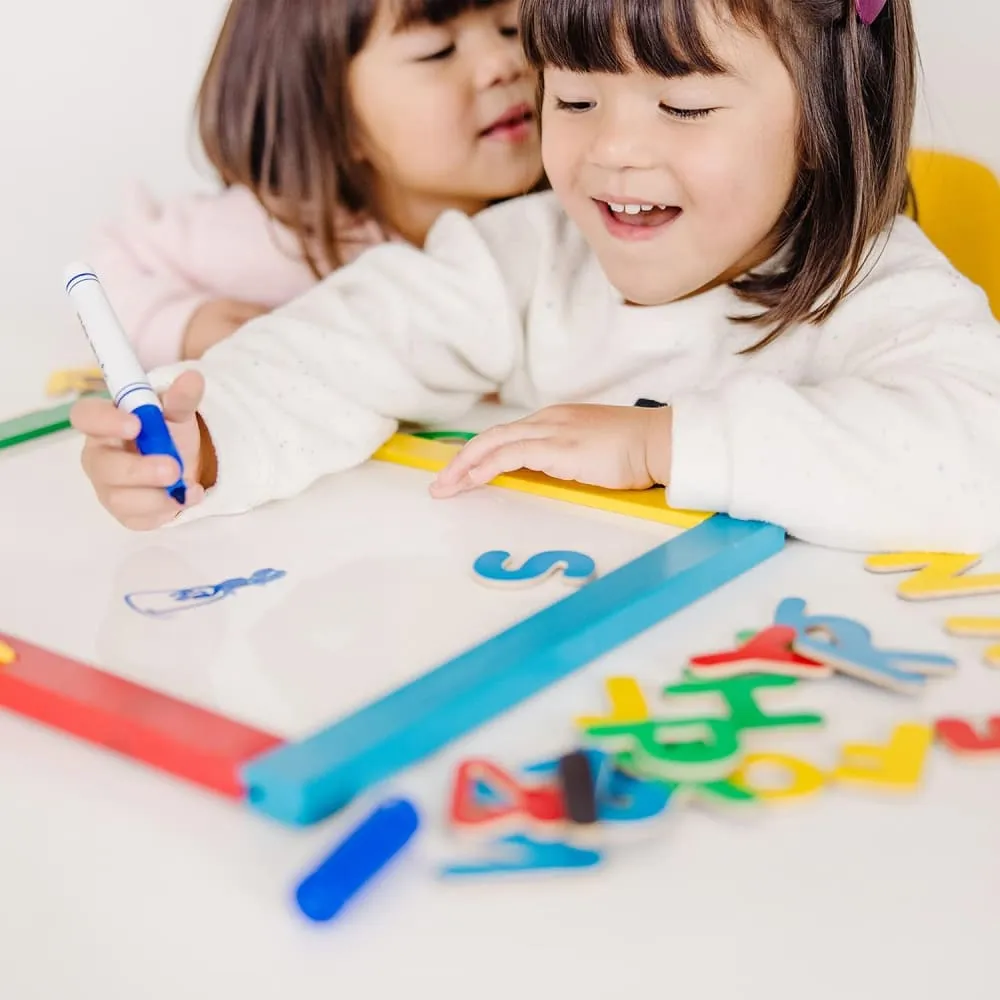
point(378, 588)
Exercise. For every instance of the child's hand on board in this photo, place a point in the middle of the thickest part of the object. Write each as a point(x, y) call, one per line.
point(133, 486)
point(215, 321)
point(617, 447)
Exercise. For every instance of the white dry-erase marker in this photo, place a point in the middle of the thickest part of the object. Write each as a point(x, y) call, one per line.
point(126, 381)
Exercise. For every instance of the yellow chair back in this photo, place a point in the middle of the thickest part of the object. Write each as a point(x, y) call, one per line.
point(958, 207)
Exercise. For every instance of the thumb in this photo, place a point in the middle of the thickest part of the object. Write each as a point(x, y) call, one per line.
point(182, 398)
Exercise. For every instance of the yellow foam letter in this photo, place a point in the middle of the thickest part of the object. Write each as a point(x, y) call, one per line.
point(898, 765)
point(628, 704)
point(984, 628)
point(803, 778)
point(936, 574)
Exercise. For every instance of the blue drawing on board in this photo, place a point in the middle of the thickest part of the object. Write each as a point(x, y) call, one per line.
point(575, 567)
point(163, 603)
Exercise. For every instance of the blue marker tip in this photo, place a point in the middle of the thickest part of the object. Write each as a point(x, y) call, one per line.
point(154, 439)
point(357, 860)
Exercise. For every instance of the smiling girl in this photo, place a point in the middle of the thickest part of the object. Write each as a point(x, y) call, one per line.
point(334, 125)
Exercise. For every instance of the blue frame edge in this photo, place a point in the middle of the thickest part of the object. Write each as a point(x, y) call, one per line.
point(305, 782)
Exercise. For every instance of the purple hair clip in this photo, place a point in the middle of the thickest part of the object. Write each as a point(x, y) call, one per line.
point(869, 10)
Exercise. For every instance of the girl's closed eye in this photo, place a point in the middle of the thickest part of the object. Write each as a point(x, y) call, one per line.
point(440, 53)
point(576, 106)
point(686, 114)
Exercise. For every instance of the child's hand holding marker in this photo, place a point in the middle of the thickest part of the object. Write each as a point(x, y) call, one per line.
point(134, 487)
point(138, 447)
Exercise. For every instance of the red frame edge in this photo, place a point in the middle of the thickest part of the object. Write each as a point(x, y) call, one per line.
point(135, 721)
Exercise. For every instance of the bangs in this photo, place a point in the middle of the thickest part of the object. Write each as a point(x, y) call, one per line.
point(663, 37)
point(412, 12)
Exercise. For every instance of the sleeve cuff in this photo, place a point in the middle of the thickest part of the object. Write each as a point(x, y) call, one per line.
point(242, 466)
point(700, 465)
point(251, 467)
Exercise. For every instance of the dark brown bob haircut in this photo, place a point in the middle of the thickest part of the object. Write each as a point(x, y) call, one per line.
point(275, 116)
point(857, 92)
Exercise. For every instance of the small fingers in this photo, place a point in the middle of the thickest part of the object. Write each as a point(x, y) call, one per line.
point(540, 454)
point(146, 509)
point(108, 466)
point(100, 418)
point(462, 472)
point(181, 400)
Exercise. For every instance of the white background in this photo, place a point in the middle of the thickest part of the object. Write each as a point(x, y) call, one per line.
point(94, 95)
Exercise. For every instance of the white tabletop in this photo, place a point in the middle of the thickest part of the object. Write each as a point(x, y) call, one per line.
point(117, 881)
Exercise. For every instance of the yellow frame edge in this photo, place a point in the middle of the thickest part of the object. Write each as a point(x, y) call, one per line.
point(650, 505)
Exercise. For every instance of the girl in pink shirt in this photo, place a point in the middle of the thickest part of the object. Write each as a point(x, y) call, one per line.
point(333, 126)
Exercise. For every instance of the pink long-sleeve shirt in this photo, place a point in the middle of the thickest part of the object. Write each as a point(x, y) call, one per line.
point(160, 262)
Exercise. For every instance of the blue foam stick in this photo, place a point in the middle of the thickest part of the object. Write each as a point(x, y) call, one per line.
point(302, 783)
point(357, 860)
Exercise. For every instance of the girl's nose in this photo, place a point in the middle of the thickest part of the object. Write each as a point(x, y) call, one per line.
point(620, 144)
point(498, 60)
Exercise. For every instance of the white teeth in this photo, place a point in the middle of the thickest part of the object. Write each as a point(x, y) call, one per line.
point(622, 209)
point(662, 208)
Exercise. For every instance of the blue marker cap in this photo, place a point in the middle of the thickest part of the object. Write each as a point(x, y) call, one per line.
point(155, 439)
point(357, 859)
